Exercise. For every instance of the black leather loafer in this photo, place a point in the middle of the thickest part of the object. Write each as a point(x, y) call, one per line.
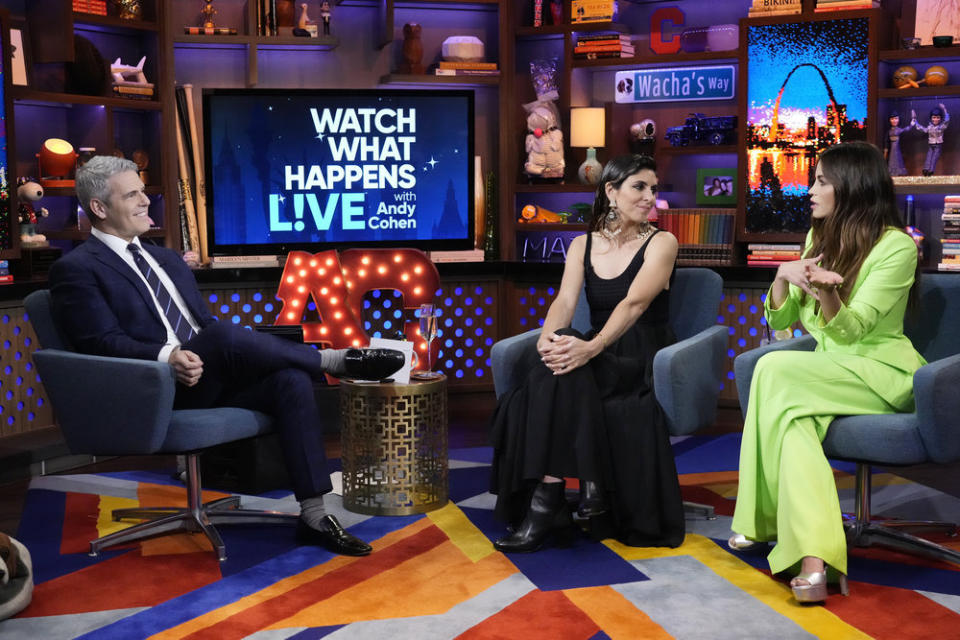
point(372, 364)
point(332, 537)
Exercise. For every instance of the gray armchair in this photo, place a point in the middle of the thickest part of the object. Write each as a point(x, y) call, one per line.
point(686, 375)
point(118, 406)
point(929, 434)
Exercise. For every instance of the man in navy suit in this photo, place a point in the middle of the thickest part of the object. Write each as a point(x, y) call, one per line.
point(114, 296)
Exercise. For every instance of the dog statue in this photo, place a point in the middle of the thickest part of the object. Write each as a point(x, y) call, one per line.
point(16, 577)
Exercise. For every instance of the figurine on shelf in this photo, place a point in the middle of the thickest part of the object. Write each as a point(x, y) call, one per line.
point(28, 193)
point(128, 9)
point(939, 119)
point(206, 14)
point(892, 147)
point(325, 16)
point(412, 49)
point(544, 143)
point(306, 28)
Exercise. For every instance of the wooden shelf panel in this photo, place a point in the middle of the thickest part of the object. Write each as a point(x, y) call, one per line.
point(930, 187)
point(555, 188)
point(696, 149)
point(554, 30)
point(426, 78)
point(23, 94)
point(549, 226)
point(920, 92)
point(323, 43)
point(653, 59)
point(112, 22)
point(926, 54)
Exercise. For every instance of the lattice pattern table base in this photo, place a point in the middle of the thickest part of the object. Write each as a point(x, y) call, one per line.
point(394, 446)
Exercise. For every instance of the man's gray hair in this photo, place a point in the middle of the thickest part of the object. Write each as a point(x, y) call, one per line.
point(92, 178)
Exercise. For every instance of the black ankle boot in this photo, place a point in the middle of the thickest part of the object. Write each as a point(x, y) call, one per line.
point(592, 501)
point(547, 516)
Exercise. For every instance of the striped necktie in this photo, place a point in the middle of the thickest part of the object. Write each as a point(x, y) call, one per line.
point(170, 309)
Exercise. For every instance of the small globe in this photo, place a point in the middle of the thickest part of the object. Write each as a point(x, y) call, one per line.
point(905, 76)
point(936, 76)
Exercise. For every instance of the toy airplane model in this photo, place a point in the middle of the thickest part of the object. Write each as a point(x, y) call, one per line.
point(125, 73)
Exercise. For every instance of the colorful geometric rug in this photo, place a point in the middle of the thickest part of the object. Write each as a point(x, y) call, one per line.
point(436, 576)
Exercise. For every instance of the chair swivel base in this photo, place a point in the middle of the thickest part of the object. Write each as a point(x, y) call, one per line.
point(196, 517)
point(164, 520)
point(866, 534)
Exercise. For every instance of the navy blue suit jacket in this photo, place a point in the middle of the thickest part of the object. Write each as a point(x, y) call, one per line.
point(106, 309)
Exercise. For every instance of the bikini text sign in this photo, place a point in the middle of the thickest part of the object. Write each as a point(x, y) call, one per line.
point(676, 84)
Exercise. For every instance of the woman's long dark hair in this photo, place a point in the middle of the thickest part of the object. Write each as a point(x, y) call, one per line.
point(615, 172)
point(864, 206)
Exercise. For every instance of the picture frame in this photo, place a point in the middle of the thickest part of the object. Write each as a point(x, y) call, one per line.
point(717, 186)
point(19, 56)
point(807, 88)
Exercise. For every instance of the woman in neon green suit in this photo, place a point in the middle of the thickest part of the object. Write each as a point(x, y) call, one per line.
point(850, 292)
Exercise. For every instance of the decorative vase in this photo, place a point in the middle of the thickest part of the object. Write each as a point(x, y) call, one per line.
point(589, 172)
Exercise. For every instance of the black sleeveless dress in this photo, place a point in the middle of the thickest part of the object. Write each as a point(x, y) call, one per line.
point(599, 422)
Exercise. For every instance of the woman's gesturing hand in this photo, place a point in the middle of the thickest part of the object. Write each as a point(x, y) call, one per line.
point(819, 279)
point(796, 272)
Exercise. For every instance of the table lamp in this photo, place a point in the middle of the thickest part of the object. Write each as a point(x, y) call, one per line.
point(586, 130)
point(55, 163)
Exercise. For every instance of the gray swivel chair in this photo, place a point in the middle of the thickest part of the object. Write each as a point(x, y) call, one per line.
point(122, 407)
point(929, 434)
point(687, 375)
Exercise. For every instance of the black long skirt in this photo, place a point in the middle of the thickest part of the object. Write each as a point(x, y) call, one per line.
point(601, 423)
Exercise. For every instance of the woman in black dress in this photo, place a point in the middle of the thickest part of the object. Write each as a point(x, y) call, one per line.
point(587, 409)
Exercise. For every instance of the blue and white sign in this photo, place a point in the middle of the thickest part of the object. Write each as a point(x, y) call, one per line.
point(676, 84)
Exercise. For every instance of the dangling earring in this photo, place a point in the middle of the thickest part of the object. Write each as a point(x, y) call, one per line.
point(611, 222)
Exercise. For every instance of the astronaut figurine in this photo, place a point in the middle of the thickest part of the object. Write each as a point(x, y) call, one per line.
point(939, 119)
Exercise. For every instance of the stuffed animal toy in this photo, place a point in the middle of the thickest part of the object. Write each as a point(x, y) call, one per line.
point(16, 577)
point(544, 142)
point(29, 193)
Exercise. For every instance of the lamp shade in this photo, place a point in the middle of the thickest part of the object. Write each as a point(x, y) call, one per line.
point(55, 163)
point(587, 126)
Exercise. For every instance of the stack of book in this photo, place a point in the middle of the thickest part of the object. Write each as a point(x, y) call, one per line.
point(762, 8)
point(5, 277)
point(772, 255)
point(96, 7)
point(950, 242)
point(603, 45)
point(136, 90)
point(705, 235)
point(449, 68)
point(824, 6)
point(210, 31)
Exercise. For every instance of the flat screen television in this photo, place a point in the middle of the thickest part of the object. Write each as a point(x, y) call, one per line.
point(314, 169)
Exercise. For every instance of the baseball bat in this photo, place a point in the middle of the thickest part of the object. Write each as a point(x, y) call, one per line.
point(199, 181)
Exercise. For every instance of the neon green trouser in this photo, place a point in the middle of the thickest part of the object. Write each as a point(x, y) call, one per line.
point(787, 491)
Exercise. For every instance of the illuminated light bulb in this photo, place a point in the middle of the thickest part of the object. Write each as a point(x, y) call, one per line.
point(297, 261)
point(356, 343)
point(337, 280)
point(321, 272)
point(337, 315)
point(313, 263)
point(291, 316)
point(397, 257)
point(329, 262)
point(347, 331)
point(333, 301)
point(324, 291)
point(301, 289)
point(418, 270)
point(290, 279)
point(417, 290)
point(362, 273)
point(423, 346)
point(323, 330)
point(381, 269)
point(294, 303)
point(302, 273)
point(365, 260)
point(405, 276)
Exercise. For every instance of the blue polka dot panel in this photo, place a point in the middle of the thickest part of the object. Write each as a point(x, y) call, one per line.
point(530, 304)
point(23, 405)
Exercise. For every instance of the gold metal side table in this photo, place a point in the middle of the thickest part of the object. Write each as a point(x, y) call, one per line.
point(394, 446)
